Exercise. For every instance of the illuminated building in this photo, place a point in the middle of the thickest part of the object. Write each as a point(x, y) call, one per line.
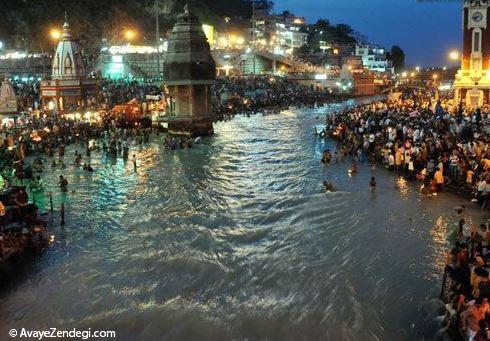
point(279, 34)
point(472, 83)
point(68, 88)
point(374, 58)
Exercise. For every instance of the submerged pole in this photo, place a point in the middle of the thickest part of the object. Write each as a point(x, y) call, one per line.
point(62, 222)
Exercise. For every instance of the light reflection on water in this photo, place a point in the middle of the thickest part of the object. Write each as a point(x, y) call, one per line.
point(235, 239)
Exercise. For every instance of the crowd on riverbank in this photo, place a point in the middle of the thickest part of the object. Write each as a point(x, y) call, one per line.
point(467, 289)
point(433, 141)
point(237, 95)
point(443, 145)
point(110, 93)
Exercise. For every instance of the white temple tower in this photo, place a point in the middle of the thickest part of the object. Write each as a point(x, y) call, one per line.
point(68, 89)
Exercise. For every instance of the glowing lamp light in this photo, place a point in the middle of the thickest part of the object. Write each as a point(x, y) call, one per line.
point(404, 74)
point(130, 34)
point(55, 34)
point(454, 55)
point(435, 76)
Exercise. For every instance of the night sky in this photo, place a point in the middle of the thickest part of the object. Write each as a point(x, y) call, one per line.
point(425, 29)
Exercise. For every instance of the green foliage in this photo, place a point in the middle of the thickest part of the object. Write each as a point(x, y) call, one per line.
point(341, 34)
point(397, 56)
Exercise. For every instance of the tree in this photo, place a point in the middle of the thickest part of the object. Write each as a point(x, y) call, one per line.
point(397, 56)
point(322, 30)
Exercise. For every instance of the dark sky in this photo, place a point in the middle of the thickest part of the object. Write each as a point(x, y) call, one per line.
point(425, 29)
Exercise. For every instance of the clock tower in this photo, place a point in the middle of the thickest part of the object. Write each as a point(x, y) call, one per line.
point(472, 83)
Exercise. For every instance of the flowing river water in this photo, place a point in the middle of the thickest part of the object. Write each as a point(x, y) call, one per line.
point(234, 239)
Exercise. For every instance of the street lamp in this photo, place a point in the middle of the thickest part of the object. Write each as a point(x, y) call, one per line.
point(55, 34)
point(129, 34)
point(454, 55)
point(435, 76)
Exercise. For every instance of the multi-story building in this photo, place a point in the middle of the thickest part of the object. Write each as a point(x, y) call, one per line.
point(279, 34)
point(374, 58)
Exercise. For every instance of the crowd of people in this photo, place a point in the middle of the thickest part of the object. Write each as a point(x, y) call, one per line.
point(434, 141)
point(442, 144)
point(468, 289)
point(110, 92)
point(238, 95)
point(113, 92)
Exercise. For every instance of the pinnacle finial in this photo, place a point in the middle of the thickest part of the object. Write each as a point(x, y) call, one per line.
point(186, 8)
point(66, 17)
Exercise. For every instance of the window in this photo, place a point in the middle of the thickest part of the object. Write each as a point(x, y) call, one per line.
point(476, 40)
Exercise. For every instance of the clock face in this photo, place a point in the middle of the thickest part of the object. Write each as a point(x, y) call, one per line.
point(477, 16)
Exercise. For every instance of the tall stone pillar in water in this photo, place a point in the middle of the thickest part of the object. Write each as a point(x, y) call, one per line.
point(189, 71)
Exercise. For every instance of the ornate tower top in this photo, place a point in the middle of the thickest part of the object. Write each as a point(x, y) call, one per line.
point(476, 3)
point(188, 59)
point(67, 60)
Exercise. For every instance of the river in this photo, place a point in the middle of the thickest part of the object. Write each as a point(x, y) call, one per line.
point(234, 239)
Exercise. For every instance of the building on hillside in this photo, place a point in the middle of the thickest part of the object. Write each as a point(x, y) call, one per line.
point(69, 88)
point(374, 58)
point(472, 82)
point(279, 34)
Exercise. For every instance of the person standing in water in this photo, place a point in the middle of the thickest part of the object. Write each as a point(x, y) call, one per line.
point(134, 162)
point(372, 184)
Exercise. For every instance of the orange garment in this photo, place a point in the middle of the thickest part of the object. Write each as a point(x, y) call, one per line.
point(439, 177)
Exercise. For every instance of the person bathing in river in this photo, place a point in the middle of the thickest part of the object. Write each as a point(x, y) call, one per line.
point(353, 169)
point(63, 183)
point(87, 167)
point(326, 156)
point(372, 184)
point(328, 186)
